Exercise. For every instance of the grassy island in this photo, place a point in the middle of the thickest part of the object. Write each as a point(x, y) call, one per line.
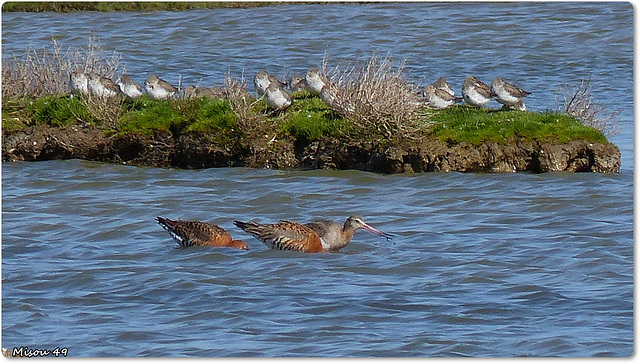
point(384, 126)
point(281, 140)
point(307, 119)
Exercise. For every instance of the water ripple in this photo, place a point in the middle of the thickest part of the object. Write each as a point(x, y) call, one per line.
point(480, 265)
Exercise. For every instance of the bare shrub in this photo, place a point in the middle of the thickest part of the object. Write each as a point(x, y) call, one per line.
point(377, 98)
point(46, 72)
point(107, 110)
point(577, 102)
point(241, 102)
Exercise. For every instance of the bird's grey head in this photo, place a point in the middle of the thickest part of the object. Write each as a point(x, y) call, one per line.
point(262, 74)
point(428, 89)
point(356, 222)
point(153, 78)
point(314, 72)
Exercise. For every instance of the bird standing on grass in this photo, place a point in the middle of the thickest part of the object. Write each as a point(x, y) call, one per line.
point(316, 81)
point(129, 87)
point(439, 99)
point(158, 88)
point(475, 92)
point(276, 97)
point(442, 84)
point(79, 82)
point(262, 80)
point(508, 94)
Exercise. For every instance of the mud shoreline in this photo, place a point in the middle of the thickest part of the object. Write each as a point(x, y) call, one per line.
point(203, 150)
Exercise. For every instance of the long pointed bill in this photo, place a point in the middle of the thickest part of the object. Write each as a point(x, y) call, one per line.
point(376, 231)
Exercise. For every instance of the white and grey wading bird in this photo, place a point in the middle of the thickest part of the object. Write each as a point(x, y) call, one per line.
point(442, 84)
point(129, 87)
point(475, 92)
point(297, 83)
point(262, 80)
point(508, 94)
point(193, 92)
point(158, 88)
point(103, 87)
point(438, 99)
point(316, 81)
point(329, 95)
point(79, 82)
point(276, 97)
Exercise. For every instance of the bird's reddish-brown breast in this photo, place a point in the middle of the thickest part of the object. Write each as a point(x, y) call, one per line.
point(284, 235)
point(290, 235)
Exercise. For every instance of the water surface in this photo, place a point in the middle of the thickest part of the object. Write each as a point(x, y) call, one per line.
point(481, 265)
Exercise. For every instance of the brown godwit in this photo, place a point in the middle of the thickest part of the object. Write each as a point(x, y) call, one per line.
point(196, 233)
point(314, 237)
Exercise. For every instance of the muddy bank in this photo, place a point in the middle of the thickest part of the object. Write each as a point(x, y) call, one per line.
point(200, 150)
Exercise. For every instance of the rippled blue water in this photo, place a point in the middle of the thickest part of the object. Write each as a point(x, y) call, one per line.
point(481, 265)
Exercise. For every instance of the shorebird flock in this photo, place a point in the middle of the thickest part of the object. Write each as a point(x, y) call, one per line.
point(315, 237)
point(438, 95)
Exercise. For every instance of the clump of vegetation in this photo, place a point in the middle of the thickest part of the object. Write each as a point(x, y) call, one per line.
point(310, 119)
point(376, 104)
point(178, 116)
point(58, 111)
point(241, 104)
point(468, 124)
point(14, 118)
point(157, 115)
point(577, 102)
point(213, 115)
point(46, 72)
point(378, 99)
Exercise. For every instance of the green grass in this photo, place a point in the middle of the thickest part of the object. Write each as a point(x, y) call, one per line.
point(156, 115)
point(11, 121)
point(13, 114)
point(309, 118)
point(58, 111)
point(213, 115)
point(176, 116)
point(475, 126)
